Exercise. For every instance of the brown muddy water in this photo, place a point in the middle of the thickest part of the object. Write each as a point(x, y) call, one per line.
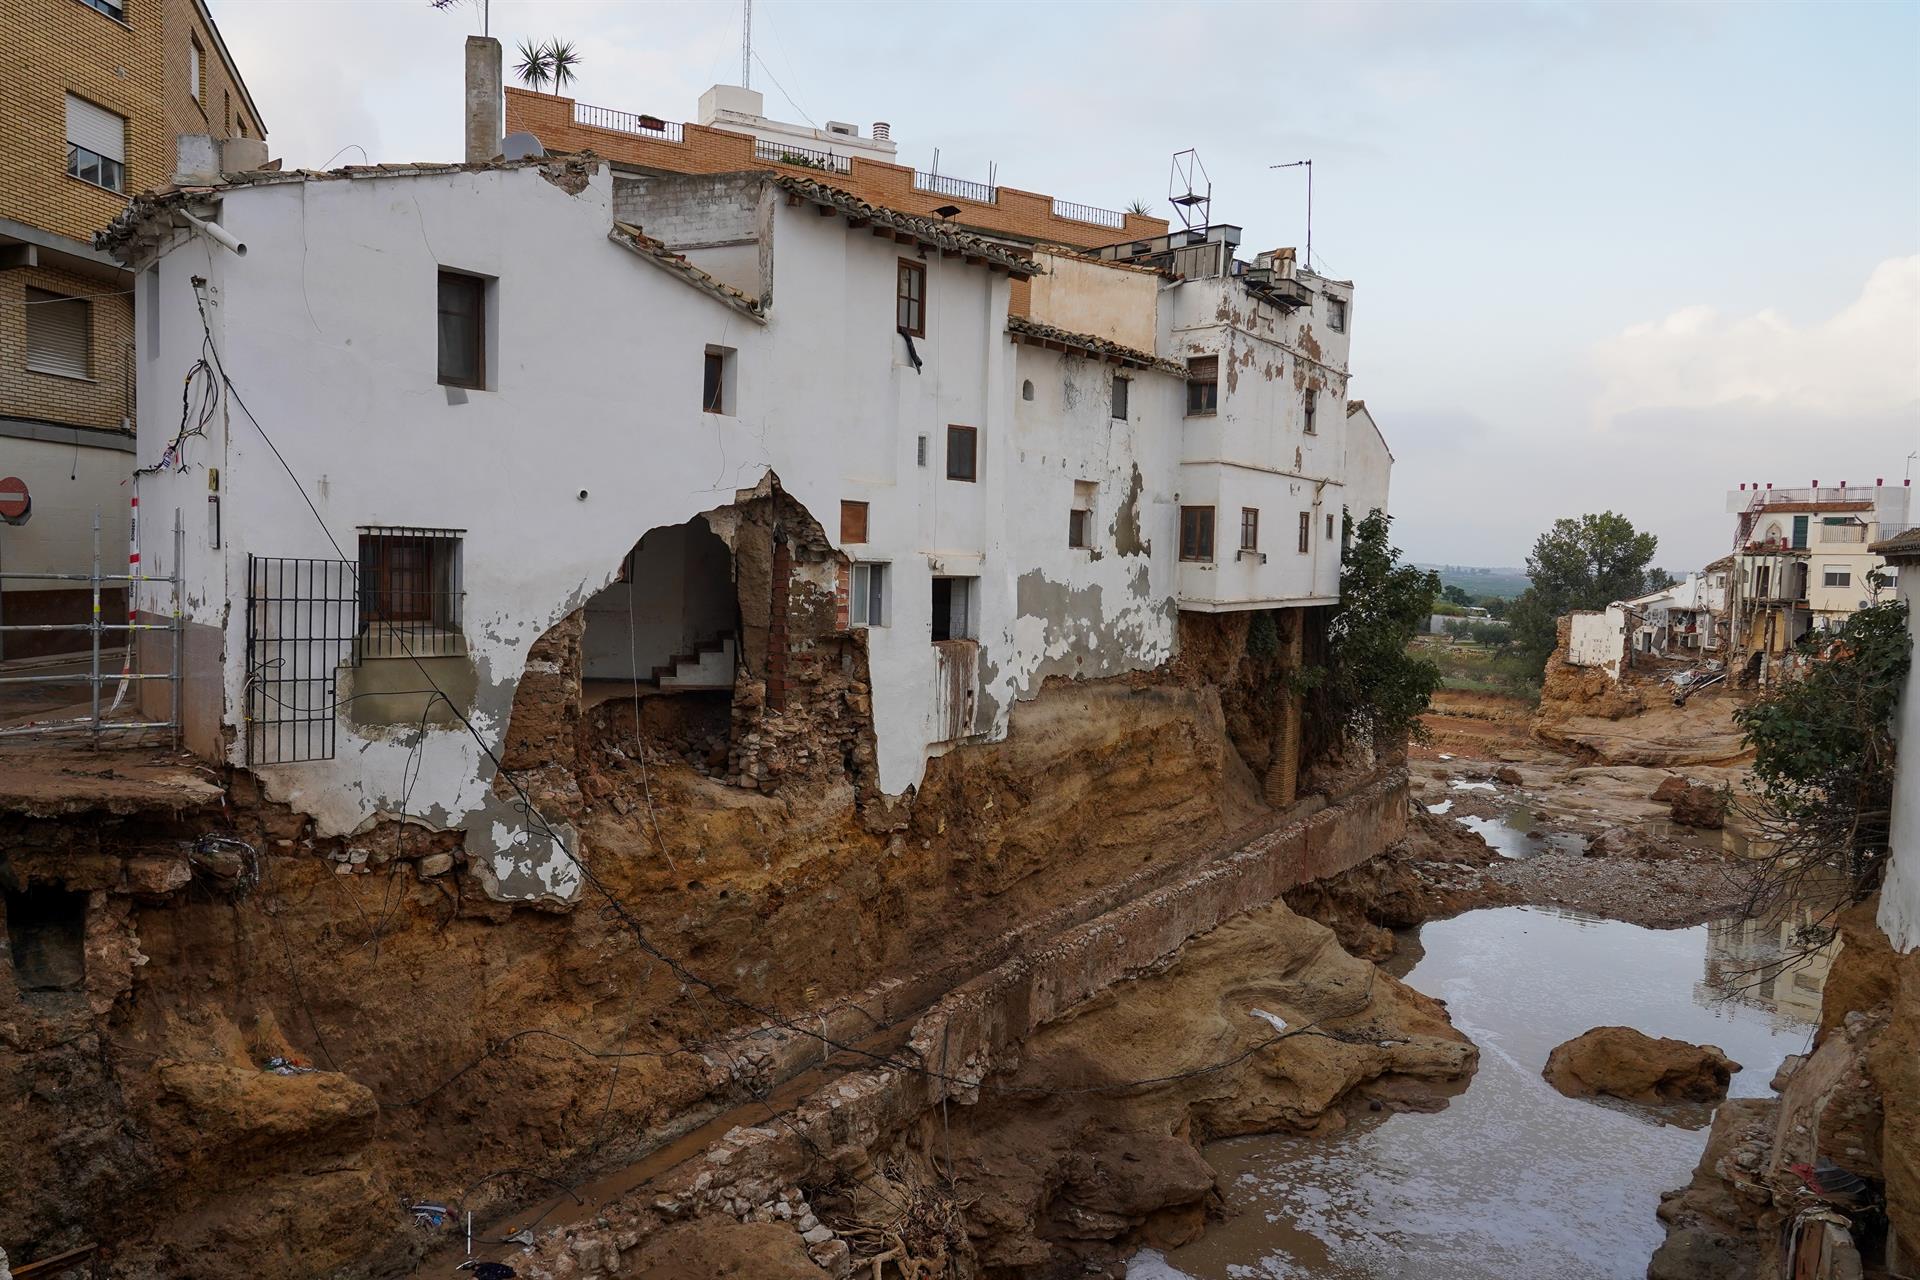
point(1512, 1180)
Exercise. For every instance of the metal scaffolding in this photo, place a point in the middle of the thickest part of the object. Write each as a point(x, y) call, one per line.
point(95, 723)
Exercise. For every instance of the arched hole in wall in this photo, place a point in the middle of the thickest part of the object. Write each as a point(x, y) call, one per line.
point(664, 636)
point(1026, 389)
point(46, 939)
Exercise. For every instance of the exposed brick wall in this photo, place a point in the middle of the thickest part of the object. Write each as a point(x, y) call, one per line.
point(101, 401)
point(53, 47)
point(222, 105)
point(704, 150)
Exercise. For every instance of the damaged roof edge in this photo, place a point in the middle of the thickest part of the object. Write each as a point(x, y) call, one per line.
point(1033, 333)
point(924, 230)
point(647, 249)
point(140, 220)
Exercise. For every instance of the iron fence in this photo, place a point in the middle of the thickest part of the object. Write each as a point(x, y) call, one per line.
point(942, 185)
point(1089, 213)
point(628, 122)
point(98, 721)
point(802, 157)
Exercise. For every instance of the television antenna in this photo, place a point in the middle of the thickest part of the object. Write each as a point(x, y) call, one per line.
point(1295, 164)
point(746, 44)
point(1190, 191)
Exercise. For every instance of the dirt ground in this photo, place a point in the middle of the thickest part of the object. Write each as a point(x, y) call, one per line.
point(1583, 815)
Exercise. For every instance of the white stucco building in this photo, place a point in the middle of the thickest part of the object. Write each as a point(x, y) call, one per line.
point(1900, 893)
point(470, 402)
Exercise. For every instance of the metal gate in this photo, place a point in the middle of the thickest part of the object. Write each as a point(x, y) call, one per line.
point(302, 618)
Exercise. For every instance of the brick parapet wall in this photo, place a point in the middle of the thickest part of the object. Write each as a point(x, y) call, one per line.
point(1024, 214)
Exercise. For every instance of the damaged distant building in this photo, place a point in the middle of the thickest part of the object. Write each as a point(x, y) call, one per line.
point(801, 483)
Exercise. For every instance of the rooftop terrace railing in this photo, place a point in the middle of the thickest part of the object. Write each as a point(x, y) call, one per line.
point(803, 157)
point(940, 184)
point(1089, 213)
point(627, 122)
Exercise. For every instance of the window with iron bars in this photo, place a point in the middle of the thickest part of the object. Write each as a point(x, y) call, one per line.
point(409, 592)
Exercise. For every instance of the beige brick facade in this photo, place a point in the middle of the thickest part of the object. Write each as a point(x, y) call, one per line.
point(105, 397)
point(1023, 214)
point(135, 65)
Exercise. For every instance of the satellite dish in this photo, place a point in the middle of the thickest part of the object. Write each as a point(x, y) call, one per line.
point(521, 146)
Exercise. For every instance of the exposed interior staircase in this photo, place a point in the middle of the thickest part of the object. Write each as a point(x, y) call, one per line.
point(709, 666)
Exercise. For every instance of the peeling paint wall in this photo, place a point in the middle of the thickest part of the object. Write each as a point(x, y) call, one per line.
point(1255, 452)
point(1598, 639)
point(1108, 300)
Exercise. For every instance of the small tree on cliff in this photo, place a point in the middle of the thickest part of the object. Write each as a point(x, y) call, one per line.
point(1823, 775)
point(1580, 564)
point(1371, 686)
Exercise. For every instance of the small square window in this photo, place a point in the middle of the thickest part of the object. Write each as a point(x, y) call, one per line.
point(1121, 385)
point(956, 609)
point(1077, 528)
point(910, 300)
point(1306, 532)
point(963, 445)
point(1196, 533)
point(1203, 385)
point(853, 522)
point(409, 591)
point(1337, 314)
point(1311, 405)
point(870, 598)
point(1837, 575)
point(463, 330)
point(1249, 529)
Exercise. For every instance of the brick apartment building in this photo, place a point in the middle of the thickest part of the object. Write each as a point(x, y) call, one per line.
point(96, 92)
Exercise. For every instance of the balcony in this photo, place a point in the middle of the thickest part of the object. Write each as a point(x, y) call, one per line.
point(801, 157)
point(627, 122)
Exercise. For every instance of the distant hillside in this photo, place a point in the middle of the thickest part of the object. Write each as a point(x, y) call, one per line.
point(1476, 581)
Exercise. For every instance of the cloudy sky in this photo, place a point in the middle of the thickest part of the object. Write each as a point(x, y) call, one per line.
point(1606, 255)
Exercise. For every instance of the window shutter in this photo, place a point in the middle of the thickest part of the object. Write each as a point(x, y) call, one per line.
point(56, 334)
point(97, 129)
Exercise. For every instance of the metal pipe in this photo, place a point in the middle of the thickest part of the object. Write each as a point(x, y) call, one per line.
point(96, 628)
point(80, 577)
point(179, 624)
point(73, 678)
point(85, 626)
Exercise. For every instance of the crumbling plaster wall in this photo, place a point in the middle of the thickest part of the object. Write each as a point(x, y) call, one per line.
point(1254, 450)
point(1108, 300)
point(1900, 895)
point(1598, 638)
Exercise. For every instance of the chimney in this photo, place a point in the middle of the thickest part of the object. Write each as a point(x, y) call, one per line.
point(882, 130)
point(483, 99)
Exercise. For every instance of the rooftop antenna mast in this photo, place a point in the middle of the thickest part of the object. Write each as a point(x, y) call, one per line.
point(1190, 191)
point(746, 44)
point(1295, 164)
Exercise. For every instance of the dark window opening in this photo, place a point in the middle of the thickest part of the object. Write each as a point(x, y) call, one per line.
point(710, 392)
point(409, 592)
point(1026, 389)
point(1329, 526)
point(1249, 529)
point(46, 934)
point(1311, 402)
point(1120, 388)
point(963, 446)
point(1077, 527)
point(910, 299)
point(955, 609)
point(1196, 533)
point(1306, 531)
point(463, 330)
point(1337, 314)
point(1203, 385)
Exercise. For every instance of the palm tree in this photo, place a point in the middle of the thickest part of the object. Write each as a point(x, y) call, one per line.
point(1140, 207)
point(562, 58)
point(535, 67)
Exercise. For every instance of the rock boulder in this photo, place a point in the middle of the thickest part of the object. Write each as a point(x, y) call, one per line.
point(1703, 807)
point(1620, 1062)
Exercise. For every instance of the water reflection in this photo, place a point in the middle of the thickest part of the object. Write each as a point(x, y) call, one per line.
point(1777, 964)
point(1511, 1179)
point(1515, 834)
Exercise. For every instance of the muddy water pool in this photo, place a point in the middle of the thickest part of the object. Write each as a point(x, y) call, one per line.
point(1511, 1179)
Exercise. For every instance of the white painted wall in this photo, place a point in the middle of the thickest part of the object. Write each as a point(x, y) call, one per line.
point(1254, 451)
point(1900, 894)
point(1598, 639)
point(591, 433)
point(1369, 464)
point(69, 480)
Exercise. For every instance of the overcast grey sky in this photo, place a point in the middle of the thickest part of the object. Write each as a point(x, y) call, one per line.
point(1606, 255)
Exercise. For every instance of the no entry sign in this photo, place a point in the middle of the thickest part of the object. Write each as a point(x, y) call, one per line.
point(15, 502)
